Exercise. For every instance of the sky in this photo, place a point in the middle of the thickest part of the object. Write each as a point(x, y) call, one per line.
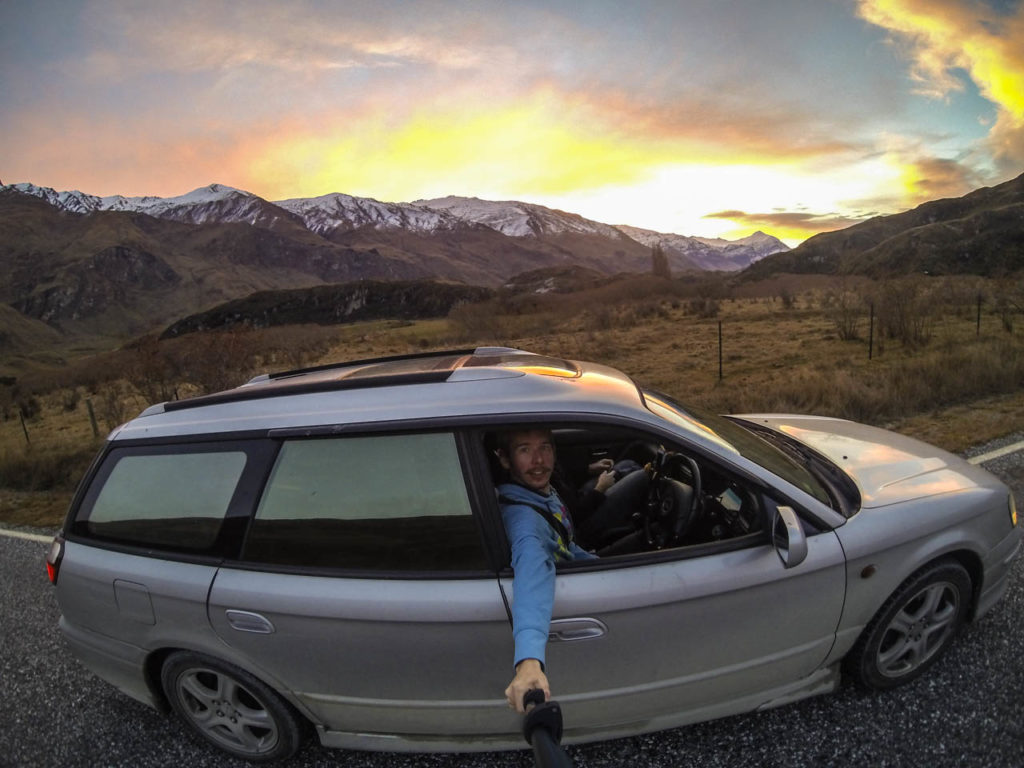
point(714, 118)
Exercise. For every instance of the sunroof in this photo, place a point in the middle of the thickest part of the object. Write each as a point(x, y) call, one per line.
point(422, 361)
point(406, 366)
point(549, 366)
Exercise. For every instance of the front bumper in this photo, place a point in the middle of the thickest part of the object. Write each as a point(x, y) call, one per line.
point(998, 567)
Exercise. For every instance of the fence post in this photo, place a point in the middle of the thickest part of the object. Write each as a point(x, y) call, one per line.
point(719, 350)
point(24, 428)
point(871, 332)
point(92, 417)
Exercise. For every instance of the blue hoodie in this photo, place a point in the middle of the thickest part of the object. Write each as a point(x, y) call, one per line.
point(535, 549)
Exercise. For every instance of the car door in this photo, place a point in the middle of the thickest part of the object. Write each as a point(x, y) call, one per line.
point(715, 625)
point(364, 592)
point(691, 637)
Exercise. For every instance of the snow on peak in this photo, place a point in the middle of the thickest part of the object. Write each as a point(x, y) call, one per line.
point(710, 252)
point(338, 211)
point(73, 201)
point(208, 194)
point(517, 219)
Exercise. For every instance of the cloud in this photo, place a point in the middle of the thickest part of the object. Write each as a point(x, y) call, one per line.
point(930, 178)
point(702, 128)
point(297, 38)
point(404, 59)
point(948, 39)
point(788, 225)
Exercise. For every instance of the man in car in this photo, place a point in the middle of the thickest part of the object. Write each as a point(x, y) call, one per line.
point(540, 532)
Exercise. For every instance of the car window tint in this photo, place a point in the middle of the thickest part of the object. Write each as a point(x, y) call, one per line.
point(394, 502)
point(172, 500)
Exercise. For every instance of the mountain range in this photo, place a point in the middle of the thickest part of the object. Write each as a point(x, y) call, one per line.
point(112, 267)
point(348, 220)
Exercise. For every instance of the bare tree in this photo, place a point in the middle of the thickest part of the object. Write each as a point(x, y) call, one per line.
point(659, 263)
point(845, 308)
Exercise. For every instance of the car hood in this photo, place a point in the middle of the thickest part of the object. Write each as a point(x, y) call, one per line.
point(887, 467)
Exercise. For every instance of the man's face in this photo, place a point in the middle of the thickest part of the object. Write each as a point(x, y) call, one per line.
point(531, 459)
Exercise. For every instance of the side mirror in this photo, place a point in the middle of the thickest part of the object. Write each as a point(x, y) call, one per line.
point(788, 537)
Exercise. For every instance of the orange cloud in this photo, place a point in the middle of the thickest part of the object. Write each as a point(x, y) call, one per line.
point(789, 226)
point(934, 178)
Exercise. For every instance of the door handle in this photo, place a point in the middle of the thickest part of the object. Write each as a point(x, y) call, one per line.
point(568, 630)
point(246, 621)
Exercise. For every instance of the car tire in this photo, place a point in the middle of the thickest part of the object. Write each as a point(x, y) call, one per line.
point(913, 628)
point(230, 708)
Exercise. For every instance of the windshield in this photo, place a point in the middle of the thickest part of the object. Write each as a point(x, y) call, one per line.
point(739, 440)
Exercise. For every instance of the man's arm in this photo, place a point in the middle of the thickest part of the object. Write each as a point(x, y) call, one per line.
point(533, 595)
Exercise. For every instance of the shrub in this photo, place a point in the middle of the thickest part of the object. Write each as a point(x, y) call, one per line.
point(29, 406)
point(478, 321)
point(704, 308)
point(57, 468)
point(906, 311)
point(845, 309)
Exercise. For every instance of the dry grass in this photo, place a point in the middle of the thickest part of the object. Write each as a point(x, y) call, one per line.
point(781, 351)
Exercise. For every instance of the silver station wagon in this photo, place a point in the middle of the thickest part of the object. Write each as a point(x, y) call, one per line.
point(324, 550)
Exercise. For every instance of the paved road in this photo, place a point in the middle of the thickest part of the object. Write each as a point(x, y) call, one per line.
point(965, 712)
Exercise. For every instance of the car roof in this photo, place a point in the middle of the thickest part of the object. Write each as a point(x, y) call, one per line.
point(486, 381)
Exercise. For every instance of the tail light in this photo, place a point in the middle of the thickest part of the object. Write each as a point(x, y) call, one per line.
point(53, 558)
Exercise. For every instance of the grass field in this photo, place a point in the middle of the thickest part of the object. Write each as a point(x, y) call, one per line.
point(959, 385)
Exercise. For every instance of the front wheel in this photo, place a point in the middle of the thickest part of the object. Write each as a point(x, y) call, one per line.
point(230, 708)
point(913, 628)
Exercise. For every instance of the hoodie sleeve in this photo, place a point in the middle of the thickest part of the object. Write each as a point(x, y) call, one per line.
point(533, 583)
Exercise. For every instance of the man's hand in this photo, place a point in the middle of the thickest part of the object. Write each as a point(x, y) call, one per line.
point(529, 676)
point(605, 481)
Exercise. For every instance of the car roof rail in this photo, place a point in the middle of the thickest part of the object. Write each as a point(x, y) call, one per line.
point(364, 361)
point(305, 380)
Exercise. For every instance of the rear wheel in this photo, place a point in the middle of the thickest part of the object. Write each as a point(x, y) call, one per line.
point(230, 708)
point(913, 628)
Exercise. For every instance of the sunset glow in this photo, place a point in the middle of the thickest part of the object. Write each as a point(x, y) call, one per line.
point(703, 118)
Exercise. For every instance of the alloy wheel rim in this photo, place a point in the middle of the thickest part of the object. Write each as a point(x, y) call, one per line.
point(918, 630)
point(226, 711)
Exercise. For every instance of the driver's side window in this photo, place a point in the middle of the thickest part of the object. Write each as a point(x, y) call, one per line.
point(661, 498)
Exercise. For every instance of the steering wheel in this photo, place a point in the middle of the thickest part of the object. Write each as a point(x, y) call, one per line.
point(672, 505)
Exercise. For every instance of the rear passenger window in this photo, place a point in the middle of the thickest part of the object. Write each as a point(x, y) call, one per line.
point(172, 498)
point(391, 503)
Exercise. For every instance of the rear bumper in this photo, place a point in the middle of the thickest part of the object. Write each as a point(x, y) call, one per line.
point(120, 664)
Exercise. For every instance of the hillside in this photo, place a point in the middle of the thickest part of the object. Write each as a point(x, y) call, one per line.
point(115, 274)
point(329, 304)
point(980, 233)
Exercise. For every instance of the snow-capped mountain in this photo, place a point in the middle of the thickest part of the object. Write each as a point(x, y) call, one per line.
point(341, 215)
point(330, 213)
point(517, 219)
point(215, 203)
point(73, 202)
point(710, 253)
